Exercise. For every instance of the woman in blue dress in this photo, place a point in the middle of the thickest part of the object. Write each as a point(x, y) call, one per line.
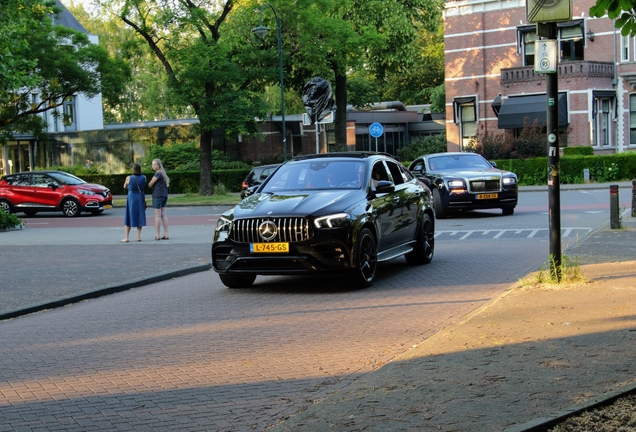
point(135, 211)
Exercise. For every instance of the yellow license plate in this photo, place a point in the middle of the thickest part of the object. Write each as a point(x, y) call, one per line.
point(106, 207)
point(487, 196)
point(269, 247)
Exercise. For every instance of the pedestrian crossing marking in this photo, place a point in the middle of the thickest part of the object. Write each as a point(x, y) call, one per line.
point(512, 232)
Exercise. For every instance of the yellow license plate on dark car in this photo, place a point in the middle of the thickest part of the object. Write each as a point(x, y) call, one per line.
point(269, 247)
point(488, 196)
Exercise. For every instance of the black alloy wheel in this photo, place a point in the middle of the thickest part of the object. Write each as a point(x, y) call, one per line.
point(425, 245)
point(366, 258)
point(508, 211)
point(440, 211)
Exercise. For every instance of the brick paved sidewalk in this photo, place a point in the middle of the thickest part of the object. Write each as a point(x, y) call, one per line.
point(528, 354)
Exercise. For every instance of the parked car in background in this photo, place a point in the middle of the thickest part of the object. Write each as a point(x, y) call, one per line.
point(466, 181)
point(255, 178)
point(50, 191)
point(335, 212)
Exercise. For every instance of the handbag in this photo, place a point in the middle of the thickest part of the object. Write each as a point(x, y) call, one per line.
point(143, 196)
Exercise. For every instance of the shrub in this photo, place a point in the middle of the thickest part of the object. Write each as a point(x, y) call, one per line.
point(531, 143)
point(9, 220)
point(578, 151)
point(175, 157)
point(491, 146)
point(421, 146)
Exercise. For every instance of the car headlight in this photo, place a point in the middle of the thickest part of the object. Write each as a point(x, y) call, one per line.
point(332, 221)
point(456, 184)
point(509, 180)
point(86, 192)
point(223, 224)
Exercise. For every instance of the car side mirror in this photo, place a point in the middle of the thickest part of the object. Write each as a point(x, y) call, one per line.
point(384, 186)
point(493, 163)
point(53, 186)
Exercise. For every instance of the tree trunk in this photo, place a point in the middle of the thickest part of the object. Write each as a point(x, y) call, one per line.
point(205, 179)
point(341, 111)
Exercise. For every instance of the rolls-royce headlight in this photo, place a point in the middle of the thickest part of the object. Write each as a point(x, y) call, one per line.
point(332, 221)
point(456, 184)
point(509, 180)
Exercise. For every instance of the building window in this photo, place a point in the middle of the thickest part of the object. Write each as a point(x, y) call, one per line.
point(570, 36)
point(571, 40)
point(70, 120)
point(602, 123)
point(624, 48)
point(465, 115)
point(528, 47)
point(632, 118)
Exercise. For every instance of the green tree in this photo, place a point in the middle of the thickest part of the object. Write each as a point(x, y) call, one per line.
point(49, 60)
point(367, 39)
point(147, 95)
point(623, 11)
point(209, 61)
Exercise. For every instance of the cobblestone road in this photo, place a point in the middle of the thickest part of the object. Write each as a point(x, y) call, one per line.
point(189, 354)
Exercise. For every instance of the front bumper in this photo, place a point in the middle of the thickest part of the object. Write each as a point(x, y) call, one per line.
point(471, 201)
point(93, 205)
point(331, 254)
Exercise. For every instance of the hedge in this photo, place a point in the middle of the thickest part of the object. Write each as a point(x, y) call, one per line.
point(602, 168)
point(180, 181)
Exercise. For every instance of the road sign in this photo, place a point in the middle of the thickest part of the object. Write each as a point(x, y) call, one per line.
point(539, 11)
point(326, 119)
point(376, 130)
point(545, 56)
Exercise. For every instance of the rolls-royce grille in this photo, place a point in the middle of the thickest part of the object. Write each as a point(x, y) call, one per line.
point(287, 230)
point(485, 186)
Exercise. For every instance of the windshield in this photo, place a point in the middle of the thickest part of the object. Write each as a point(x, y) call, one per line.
point(317, 174)
point(458, 162)
point(66, 178)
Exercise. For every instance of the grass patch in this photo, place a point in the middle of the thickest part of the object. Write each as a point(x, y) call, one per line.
point(548, 276)
point(191, 200)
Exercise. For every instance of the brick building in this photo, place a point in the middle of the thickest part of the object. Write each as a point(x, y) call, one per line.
point(491, 85)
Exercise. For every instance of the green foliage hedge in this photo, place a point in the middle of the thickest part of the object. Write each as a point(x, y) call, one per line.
point(578, 151)
point(531, 171)
point(180, 181)
point(603, 168)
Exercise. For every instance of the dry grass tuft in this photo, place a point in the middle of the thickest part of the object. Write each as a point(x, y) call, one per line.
point(618, 417)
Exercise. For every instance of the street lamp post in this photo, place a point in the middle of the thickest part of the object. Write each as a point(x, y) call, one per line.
point(261, 31)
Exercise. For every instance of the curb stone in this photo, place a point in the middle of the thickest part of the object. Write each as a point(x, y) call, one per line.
point(105, 291)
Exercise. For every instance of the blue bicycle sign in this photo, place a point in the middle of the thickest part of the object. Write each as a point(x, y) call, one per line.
point(376, 130)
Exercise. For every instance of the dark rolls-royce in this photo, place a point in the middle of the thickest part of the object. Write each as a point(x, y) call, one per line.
point(335, 212)
point(466, 181)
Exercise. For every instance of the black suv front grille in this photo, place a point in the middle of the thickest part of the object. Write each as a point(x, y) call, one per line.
point(289, 230)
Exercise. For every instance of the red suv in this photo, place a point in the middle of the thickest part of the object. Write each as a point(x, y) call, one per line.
point(45, 191)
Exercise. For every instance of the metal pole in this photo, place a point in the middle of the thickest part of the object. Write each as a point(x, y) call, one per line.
point(634, 198)
point(554, 186)
point(261, 32)
point(282, 84)
point(317, 138)
point(615, 221)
